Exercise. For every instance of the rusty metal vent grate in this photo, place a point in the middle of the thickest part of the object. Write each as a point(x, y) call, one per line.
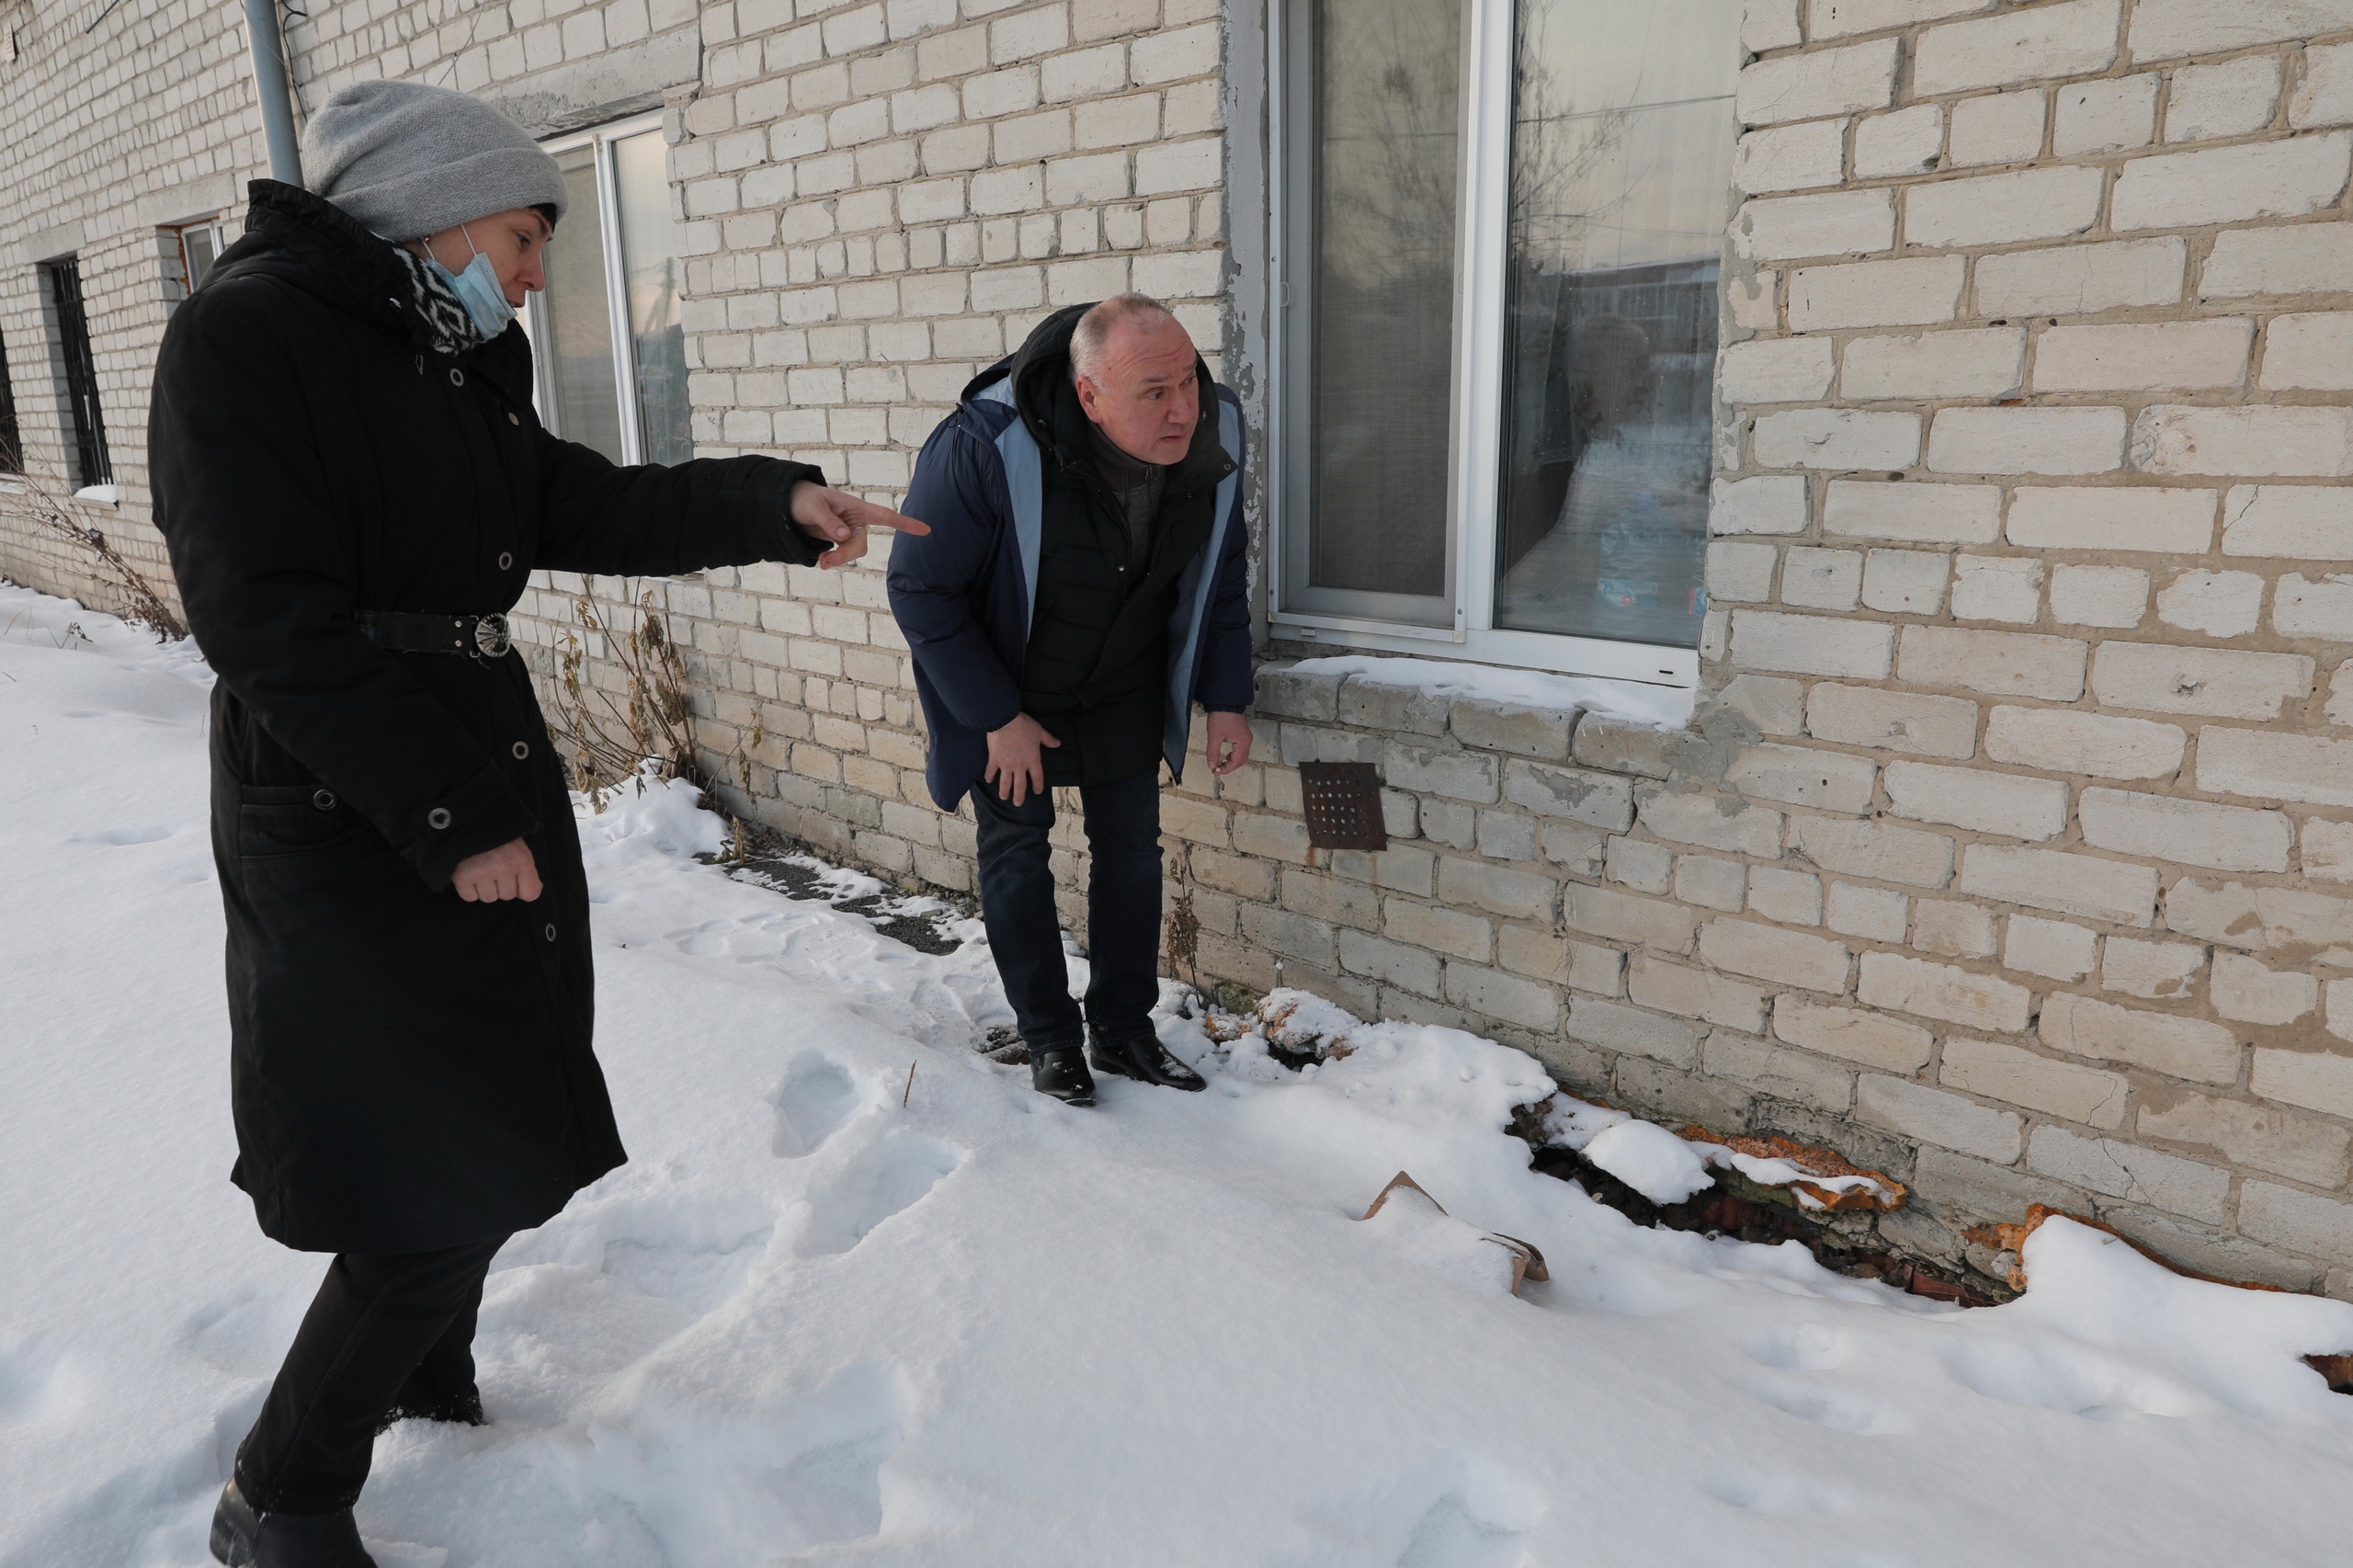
point(1343, 804)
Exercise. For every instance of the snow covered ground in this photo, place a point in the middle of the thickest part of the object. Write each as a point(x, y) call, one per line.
point(811, 1325)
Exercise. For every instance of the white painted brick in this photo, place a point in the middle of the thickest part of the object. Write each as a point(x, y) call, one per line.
point(1987, 362)
point(1879, 850)
point(1852, 1035)
point(2066, 884)
point(1774, 705)
point(1793, 898)
point(1712, 883)
point(1917, 514)
point(1770, 504)
point(2001, 128)
point(2143, 356)
point(1769, 24)
point(2232, 97)
point(1876, 915)
point(2007, 663)
point(2230, 185)
point(1840, 439)
point(2219, 603)
point(2289, 522)
point(2187, 833)
point(2324, 97)
point(1809, 643)
point(2220, 682)
point(1908, 141)
point(2077, 38)
point(2193, 1049)
point(2328, 850)
point(2305, 258)
point(2063, 740)
point(2017, 1076)
point(2322, 610)
point(1801, 776)
point(2083, 280)
point(2302, 1148)
point(1932, 1116)
point(1844, 18)
point(1970, 798)
point(1822, 579)
point(1996, 587)
point(1784, 228)
point(1997, 209)
point(2258, 441)
point(2131, 1173)
point(1778, 370)
point(2027, 440)
point(1892, 721)
point(1790, 157)
point(1920, 292)
point(1740, 573)
point(2050, 948)
point(2099, 595)
point(2167, 29)
point(2112, 115)
point(2066, 517)
point(1754, 300)
point(2160, 971)
point(2243, 988)
point(1817, 83)
point(1959, 930)
point(2269, 766)
point(1170, 56)
point(1179, 166)
point(2321, 1081)
point(1768, 953)
point(1942, 990)
point(1905, 582)
point(1711, 821)
point(2308, 353)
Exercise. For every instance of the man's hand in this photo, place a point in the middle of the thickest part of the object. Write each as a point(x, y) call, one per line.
point(839, 519)
point(1016, 767)
point(1229, 743)
point(508, 871)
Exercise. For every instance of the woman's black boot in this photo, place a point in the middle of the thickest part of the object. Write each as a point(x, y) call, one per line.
point(244, 1538)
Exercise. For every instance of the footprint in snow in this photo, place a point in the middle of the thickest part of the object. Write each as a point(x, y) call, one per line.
point(2070, 1378)
point(31, 1382)
point(1451, 1536)
point(1828, 1407)
point(1801, 1347)
point(1763, 1491)
point(123, 836)
point(882, 1180)
point(811, 1104)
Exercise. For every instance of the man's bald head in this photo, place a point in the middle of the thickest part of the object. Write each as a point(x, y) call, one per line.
point(1108, 320)
point(1137, 375)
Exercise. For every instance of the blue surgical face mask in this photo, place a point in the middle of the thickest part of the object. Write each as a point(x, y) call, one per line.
point(477, 289)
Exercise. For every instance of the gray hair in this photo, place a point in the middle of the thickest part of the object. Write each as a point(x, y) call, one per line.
point(1095, 328)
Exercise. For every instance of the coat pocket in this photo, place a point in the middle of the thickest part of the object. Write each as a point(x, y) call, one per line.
point(293, 819)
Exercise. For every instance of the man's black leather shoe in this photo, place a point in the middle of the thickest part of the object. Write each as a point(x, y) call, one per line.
point(243, 1539)
point(1063, 1075)
point(1141, 1058)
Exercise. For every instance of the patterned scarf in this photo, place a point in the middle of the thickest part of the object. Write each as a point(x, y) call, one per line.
point(452, 330)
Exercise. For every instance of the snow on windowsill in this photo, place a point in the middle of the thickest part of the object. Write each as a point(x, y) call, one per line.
point(102, 495)
point(1661, 706)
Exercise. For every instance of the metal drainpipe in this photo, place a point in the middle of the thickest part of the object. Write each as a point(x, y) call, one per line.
point(271, 87)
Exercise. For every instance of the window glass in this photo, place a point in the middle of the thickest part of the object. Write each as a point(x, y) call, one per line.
point(1622, 142)
point(1382, 148)
point(198, 247)
point(11, 451)
point(651, 275)
point(91, 464)
point(579, 348)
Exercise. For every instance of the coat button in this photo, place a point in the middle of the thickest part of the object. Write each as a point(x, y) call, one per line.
point(323, 800)
point(550, 933)
point(457, 377)
point(506, 560)
point(511, 419)
point(522, 750)
point(438, 818)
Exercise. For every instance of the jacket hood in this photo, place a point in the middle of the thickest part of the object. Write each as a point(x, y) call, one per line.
point(1045, 402)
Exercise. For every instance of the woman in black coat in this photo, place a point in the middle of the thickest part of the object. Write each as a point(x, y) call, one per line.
point(354, 487)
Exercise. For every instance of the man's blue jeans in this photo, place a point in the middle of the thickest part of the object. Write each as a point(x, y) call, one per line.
point(1122, 911)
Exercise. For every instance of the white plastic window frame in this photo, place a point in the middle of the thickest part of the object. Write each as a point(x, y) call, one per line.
point(608, 241)
point(1476, 478)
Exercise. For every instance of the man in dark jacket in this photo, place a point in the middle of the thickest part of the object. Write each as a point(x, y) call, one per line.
point(1084, 584)
point(353, 488)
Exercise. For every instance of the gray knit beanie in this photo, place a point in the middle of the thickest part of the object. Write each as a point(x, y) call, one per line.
point(408, 160)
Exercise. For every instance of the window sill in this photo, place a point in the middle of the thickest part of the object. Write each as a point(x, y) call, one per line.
point(108, 495)
point(1662, 667)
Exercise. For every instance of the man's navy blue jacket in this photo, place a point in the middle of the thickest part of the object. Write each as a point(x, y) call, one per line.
point(964, 593)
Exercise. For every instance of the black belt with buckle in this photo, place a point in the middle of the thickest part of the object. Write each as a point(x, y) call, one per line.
point(402, 631)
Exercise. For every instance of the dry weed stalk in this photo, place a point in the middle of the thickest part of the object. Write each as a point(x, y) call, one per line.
point(609, 738)
point(1185, 931)
point(147, 607)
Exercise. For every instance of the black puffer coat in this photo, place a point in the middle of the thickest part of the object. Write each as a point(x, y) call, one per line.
point(409, 1071)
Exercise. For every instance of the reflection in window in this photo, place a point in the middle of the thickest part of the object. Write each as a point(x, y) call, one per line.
point(1621, 158)
point(1382, 150)
point(579, 344)
point(651, 277)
